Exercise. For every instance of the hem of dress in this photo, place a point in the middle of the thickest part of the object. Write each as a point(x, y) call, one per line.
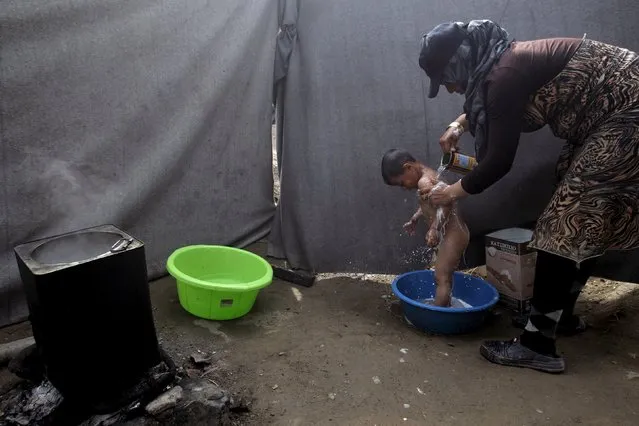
point(578, 260)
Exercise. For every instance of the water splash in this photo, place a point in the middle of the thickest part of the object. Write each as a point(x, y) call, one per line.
point(422, 254)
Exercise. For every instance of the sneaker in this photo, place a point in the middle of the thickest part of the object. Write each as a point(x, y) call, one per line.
point(512, 353)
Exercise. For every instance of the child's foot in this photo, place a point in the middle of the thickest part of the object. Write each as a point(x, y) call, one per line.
point(512, 353)
point(442, 301)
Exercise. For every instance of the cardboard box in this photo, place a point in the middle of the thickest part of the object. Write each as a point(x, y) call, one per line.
point(510, 267)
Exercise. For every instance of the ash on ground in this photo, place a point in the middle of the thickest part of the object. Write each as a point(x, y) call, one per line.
point(190, 398)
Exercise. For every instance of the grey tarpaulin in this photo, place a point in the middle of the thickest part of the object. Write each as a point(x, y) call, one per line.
point(152, 115)
point(155, 116)
point(286, 38)
point(354, 89)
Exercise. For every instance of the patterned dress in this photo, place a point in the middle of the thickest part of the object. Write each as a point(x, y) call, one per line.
point(593, 104)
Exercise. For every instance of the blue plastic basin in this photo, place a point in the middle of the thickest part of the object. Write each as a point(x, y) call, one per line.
point(420, 285)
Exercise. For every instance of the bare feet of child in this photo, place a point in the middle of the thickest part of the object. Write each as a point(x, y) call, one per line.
point(442, 295)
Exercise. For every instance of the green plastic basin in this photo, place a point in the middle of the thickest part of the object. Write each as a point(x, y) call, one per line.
point(218, 282)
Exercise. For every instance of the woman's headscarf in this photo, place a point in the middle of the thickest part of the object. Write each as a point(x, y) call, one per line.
point(469, 66)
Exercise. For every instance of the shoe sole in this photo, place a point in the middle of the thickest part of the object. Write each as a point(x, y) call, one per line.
point(557, 367)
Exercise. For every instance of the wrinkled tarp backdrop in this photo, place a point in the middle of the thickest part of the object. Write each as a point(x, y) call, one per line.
point(151, 115)
point(156, 116)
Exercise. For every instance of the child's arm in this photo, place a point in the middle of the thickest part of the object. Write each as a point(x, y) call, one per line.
point(417, 215)
point(441, 216)
point(409, 226)
point(432, 214)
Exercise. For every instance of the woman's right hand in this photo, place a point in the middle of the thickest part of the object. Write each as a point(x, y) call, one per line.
point(449, 140)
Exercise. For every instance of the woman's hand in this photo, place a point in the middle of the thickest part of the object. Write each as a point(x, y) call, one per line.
point(441, 196)
point(444, 195)
point(449, 140)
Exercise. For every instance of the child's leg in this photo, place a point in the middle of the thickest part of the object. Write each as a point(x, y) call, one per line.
point(449, 254)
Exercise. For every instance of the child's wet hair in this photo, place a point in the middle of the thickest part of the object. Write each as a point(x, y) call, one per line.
point(393, 163)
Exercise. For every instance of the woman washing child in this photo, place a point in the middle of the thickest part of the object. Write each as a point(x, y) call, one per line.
point(587, 92)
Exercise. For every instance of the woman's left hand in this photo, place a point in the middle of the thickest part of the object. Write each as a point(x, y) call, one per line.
point(441, 196)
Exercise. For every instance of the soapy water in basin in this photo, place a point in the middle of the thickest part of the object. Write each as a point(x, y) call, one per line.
point(454, 302)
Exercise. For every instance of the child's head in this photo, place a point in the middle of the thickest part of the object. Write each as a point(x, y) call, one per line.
point(399, 168)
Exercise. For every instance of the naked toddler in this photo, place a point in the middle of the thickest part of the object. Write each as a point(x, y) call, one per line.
point(400, 168)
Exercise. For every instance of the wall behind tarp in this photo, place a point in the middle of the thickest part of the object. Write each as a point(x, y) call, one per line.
point(153, 115)
point(354, 89)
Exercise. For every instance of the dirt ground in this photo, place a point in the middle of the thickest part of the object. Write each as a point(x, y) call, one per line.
point(339, 353)
point(310, 356)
